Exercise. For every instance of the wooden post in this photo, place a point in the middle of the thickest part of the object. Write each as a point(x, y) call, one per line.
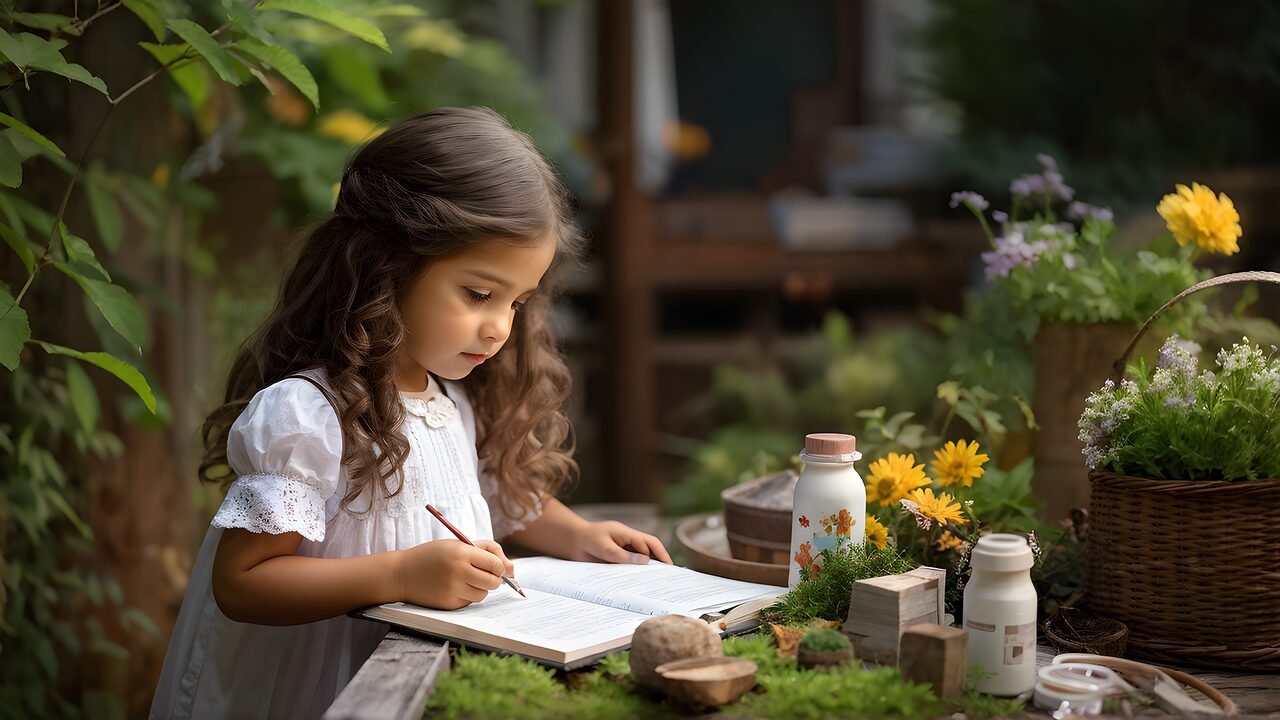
point(628, 231)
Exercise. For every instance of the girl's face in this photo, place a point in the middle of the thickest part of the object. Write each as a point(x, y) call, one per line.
point(460, 310)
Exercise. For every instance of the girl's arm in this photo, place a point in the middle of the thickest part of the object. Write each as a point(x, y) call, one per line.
point(258, 578)
point(561, 532)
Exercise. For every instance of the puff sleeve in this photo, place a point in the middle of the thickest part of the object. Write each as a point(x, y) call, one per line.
point(286, 452)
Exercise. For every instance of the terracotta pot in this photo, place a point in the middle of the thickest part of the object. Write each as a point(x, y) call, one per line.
point(1072, 360)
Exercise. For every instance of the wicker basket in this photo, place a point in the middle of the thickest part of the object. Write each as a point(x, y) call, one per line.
point(1191, 567)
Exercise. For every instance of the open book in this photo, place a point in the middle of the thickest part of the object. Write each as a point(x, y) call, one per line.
point(577, 612)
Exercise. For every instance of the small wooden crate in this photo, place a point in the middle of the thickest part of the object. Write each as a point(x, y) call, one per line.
point(757, 518)
point(881, 609)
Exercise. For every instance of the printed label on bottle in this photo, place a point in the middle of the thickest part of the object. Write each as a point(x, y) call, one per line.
point(1018, 642)
point(979, 626)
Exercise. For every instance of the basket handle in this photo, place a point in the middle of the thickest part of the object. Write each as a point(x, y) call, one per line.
point(1117, 369)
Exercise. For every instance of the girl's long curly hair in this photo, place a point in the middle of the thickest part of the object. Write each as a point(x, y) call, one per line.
point(427, 186)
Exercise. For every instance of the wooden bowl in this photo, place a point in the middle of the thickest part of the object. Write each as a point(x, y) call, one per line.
point(706, 549)
point(707, 681)
point(757, 517)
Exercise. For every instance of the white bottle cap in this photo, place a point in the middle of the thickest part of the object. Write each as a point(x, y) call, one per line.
point(1002, 552)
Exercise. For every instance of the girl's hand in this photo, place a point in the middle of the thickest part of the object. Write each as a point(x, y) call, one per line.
point(613, 542)
point(448, 574)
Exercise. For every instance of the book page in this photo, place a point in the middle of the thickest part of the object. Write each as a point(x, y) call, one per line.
point(541, 619)
point(653, 589)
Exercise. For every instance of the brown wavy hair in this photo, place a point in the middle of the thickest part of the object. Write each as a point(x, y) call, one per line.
point(428, 186)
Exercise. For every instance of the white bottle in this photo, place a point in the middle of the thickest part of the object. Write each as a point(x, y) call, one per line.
point(830, 504)
point(1000, 615)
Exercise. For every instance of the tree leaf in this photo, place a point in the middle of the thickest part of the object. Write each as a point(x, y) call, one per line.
point(353, 69)
point(84, 397)
point(10, 163)
point(346, 22)
point(30, 132)
point(48, 22)
point(142, 621)
point(29, 52)
point(57, 500)
point(14, 330)
point(106, 212)
point(191, 77)
point(80, 253)
point(149, 14)
point(208, 47)
point(20, 246)
point(111, 364)
point(116, 305)
point(287, 64)
point(241, 13)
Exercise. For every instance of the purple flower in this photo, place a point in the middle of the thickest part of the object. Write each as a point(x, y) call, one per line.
point(970, 199)
point(1027, 185)
point(1047, 162)
point(1002, 217)
point(1079, 210)
point(1011, 251)
point(1179, 355)
point(1069, 261)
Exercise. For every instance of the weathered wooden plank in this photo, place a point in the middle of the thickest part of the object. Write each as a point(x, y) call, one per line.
point(394, 682)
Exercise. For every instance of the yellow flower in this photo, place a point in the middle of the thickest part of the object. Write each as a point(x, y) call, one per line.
point(947, 541)
point(958, 464)
point(893, 477)
point(349, 126)
point(877, 534)
point(942, 509)
point(1194, 215)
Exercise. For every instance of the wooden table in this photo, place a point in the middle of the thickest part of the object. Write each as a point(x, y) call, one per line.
point(398, 679)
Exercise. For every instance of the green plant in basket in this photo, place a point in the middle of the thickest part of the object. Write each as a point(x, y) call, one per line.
point(1179, 421)
point(1054, 257)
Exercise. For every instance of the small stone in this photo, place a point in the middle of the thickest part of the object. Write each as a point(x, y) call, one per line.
point(666, 638)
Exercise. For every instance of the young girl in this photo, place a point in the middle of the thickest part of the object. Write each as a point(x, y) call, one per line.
point(376, 386)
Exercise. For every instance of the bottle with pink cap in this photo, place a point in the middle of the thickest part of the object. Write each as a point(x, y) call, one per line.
point(830, 505)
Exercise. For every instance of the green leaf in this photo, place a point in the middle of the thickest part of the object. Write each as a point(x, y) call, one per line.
point(115, 303)
point(142, 621)
point(240, 12)
point(10, 163)
point(84, 397)
point(287, 64)
point(29, 53)
point(48, 22)
point(397, 10)
point(106, 212)
point(14, 330)
point(111, 364)
point(348, 23)
point(30, 132)
point(57, 500)
point(191, 77)
point(80, 253)
point(20, 246)
point(149, 14)
point(208, 47)
point(353, 69)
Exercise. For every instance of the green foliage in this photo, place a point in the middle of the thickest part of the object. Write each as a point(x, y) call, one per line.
point(827, 596)
point(1180, 422)
point(825, 640)
point(492, 686)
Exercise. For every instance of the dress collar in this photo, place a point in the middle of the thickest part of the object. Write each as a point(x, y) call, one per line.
point(432, 405)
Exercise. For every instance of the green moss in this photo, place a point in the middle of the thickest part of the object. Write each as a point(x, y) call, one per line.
point(492, 686)
point(827, 596)
point(825, 640)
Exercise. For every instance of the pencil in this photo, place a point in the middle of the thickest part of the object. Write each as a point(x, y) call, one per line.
point(511, 582)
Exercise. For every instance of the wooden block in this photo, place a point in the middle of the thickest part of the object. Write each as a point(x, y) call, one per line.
point(933, 573)
point(882, 608)
point(936, 655)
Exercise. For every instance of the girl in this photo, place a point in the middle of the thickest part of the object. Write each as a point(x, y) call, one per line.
point(376, 386)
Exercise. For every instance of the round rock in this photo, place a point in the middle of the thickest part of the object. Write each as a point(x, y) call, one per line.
point(666, 638)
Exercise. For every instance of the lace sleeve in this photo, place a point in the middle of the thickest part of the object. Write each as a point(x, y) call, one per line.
point(286, 451)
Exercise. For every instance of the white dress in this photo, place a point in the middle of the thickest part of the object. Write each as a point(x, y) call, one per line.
point(286, 449)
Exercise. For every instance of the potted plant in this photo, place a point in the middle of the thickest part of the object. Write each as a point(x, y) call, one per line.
point(1185, 508)
point(1052, 257)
